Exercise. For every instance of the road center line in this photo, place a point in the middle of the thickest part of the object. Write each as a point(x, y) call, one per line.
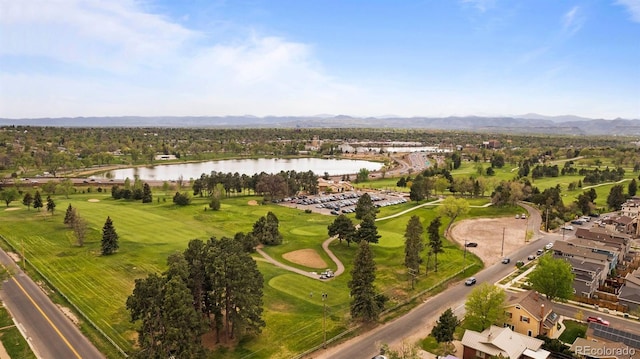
point(47, 318)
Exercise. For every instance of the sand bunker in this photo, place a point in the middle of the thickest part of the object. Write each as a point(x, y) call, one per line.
point(306, 257)
point(12, 209)
point(93, 200)
point(252, 203)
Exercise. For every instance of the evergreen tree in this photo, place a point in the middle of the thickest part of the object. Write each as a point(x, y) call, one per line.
point(365, 206)
point(27, 200)
point(416, 192)
point(51, 205)
point(435, 242)
point(343, 227)
point(266, 230)
point(633, 187)
point(364, 305)
point(413, 244)
point(109, 238)
point(237, 288)
point(616, 197)
point(68, 216)
point(37, 201)
point(147, 197)
point(367, 231)
point(445, 327)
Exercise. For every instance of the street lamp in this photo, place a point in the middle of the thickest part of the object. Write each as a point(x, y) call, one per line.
point(324, 320)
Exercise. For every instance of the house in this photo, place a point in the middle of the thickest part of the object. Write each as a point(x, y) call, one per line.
point(531, 314)
point(612, 251)
point(629, 295)
point(568, 250)
point(619, 240)
point(622, 224)
point(588, 276)
point(631, 208)
point(495, 341)
point(333, 186)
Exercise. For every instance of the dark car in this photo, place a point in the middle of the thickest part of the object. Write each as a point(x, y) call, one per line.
point(470, 281)
point(506, 260)
point(472, 244)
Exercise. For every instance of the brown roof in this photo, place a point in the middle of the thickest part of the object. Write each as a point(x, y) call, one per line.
point(532, 302)
point(571, 250)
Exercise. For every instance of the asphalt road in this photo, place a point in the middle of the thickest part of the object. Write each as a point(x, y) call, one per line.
point(368, 344)
point(50, 333)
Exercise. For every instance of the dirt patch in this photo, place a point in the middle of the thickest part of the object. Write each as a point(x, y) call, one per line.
point(306, 257)
point(69, 314)
point(93, 200)
point(252, 203)
point(489, 233)
point(12, 209)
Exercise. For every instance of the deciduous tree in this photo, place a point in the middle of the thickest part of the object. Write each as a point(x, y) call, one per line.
point(485, 306)
point(9, 195)
point(453, 207)
point(553, 278)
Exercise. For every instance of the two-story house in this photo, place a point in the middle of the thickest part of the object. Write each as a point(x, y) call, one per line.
point(531, 313)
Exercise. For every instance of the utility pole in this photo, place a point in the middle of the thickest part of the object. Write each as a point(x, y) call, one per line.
point(324, 320)
point(412, 274)
point(502, 250)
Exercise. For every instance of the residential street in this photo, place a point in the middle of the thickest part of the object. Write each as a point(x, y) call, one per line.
point(50, 333)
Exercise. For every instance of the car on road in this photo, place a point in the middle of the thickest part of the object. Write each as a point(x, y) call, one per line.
point(523, 216)
point(470, 281)
point(379, 357)
point(517, 216)
point(598, 320)
point(531, 257)
point(472, 244)
point(506, 260)
point(539, 252)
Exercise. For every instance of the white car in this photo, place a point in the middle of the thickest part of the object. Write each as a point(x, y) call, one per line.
point(567, 227)
point(548, 246)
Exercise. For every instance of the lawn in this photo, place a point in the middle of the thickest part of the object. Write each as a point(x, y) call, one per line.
point(574, 330)
point(99, 285)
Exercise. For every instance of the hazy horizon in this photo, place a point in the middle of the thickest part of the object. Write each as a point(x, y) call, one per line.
point(264, 58)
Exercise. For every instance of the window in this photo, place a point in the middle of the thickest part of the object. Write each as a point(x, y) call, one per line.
point(524, 319)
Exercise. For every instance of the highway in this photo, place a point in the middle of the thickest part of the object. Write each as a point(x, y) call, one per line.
point(49, 332)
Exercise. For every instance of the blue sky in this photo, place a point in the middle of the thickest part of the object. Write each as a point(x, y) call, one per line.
point(297, 57)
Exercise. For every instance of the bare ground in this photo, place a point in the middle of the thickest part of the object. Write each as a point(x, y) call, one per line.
point(489, 233)
point(306, 257)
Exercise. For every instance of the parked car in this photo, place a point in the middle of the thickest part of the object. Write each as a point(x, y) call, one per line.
point(531, 257)
point(548, 246)
point(567, 227)
point(539, 252)
point(598, 320)
point(523, 216)
point(506, 260)
point(472, 244)
point(517, 216)
point(470, 281)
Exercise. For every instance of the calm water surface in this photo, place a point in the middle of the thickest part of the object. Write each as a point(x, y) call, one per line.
point(170, 172)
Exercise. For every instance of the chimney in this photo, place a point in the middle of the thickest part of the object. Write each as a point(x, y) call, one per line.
point(541, 319)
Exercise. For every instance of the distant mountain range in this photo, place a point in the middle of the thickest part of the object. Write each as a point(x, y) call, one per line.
point(520, 124)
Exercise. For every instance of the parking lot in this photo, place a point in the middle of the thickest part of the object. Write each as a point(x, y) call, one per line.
point(339, 203)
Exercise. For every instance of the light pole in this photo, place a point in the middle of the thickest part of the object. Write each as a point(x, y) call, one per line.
point(502, 250)
point(324, 320)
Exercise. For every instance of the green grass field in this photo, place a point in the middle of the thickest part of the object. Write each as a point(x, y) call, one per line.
point(148, 233)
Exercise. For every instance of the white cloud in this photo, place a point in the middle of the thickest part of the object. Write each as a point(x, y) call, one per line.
point(573, 20)
point(633, 7)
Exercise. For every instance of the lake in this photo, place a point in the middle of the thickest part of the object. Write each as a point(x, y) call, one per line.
point(249, 167)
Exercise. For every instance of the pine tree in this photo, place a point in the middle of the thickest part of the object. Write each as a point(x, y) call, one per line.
point(445, 327)
point(27, 200)
point(146, 194)
point(343, 227)
point(368, 231)
point(109, 238)
point(68, 216)
point(413, 244)
point(365, 206)
point(51, 205)
point(363, 296)
point(37, 201)
point(633, 187)
point(435, 242)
